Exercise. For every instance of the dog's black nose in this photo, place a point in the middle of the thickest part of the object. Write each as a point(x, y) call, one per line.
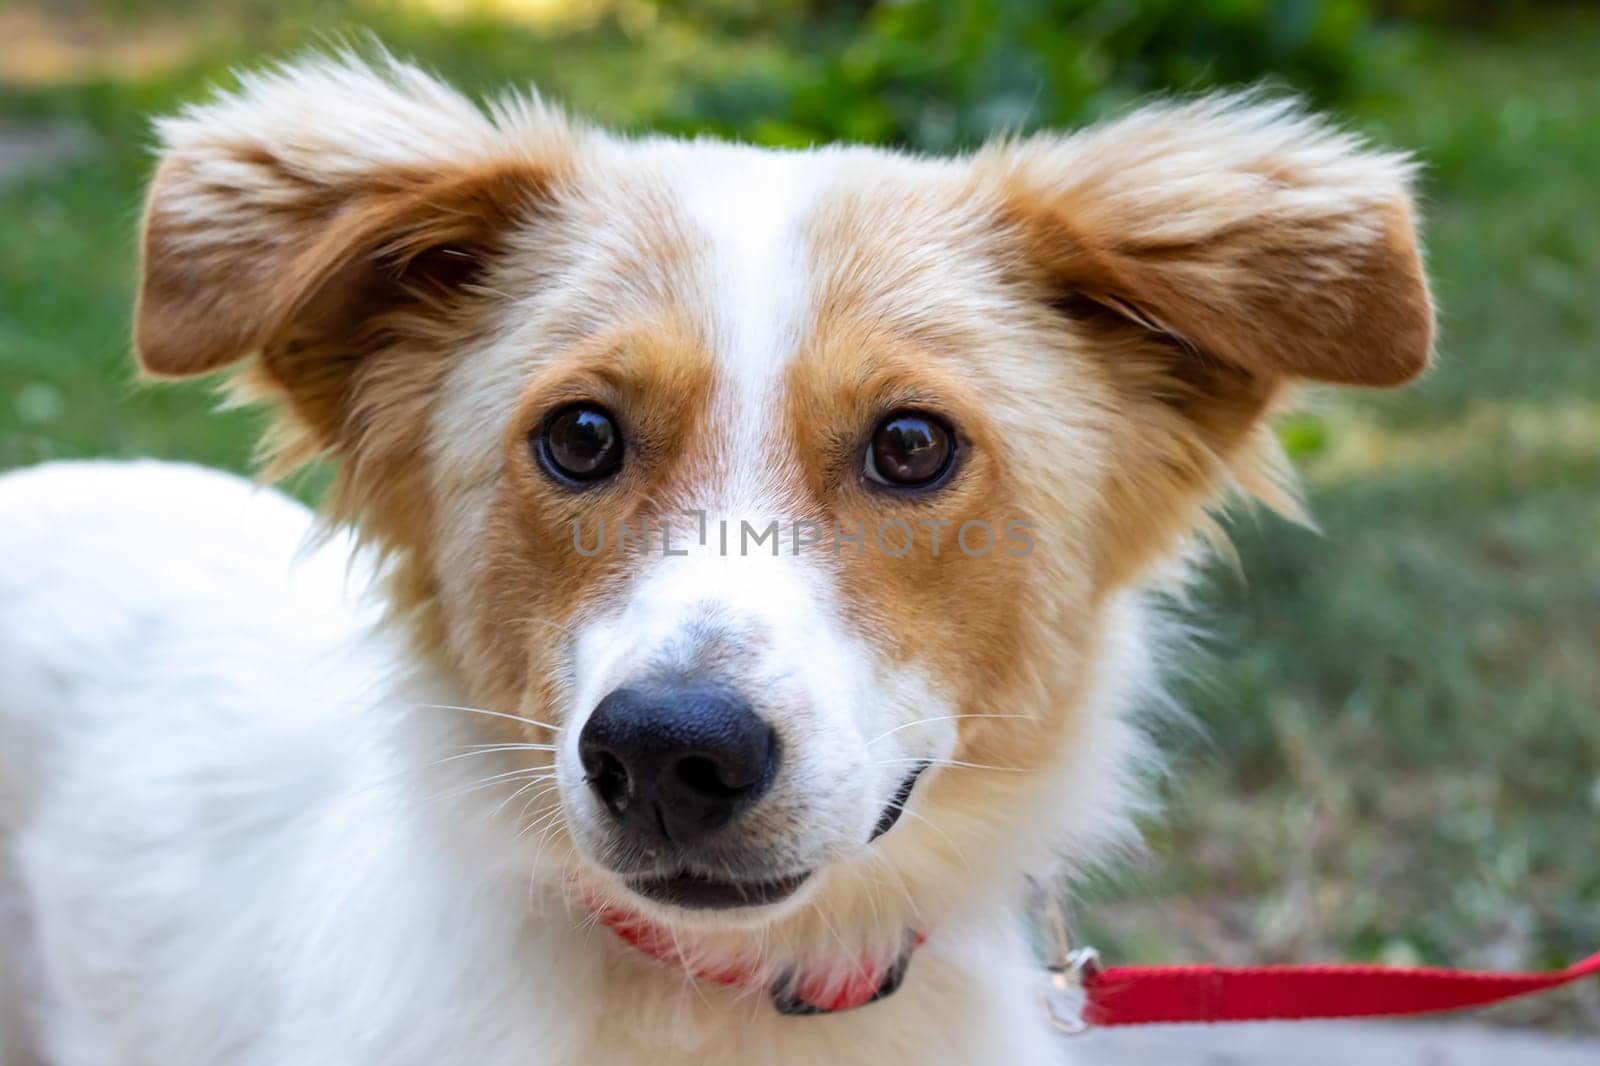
point(676, 760)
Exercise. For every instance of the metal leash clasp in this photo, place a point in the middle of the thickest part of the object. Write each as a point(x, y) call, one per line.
point(1064, 995)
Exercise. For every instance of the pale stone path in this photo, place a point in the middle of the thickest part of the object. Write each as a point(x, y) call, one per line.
point(1331, 1044)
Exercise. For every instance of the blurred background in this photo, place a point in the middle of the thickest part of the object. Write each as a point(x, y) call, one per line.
point(1395, 746)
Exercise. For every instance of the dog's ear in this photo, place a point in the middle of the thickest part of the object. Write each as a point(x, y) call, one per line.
point(1207, 255)
point(301, 217)
point(1240, 228)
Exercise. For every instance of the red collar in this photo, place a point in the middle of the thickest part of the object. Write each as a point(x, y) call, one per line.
point(795, 992)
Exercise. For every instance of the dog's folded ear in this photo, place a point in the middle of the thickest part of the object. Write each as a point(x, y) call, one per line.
point(1240, 227)
point(303, 216)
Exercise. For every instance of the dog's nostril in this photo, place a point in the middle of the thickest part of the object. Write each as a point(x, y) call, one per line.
point(703, 776)
point(610, 781)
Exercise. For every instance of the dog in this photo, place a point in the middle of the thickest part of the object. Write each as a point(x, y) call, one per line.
point(741, 579)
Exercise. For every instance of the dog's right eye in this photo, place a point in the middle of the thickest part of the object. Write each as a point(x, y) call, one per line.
point(580, 443)
point(910, 450)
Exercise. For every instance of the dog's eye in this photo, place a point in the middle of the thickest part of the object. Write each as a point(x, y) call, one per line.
point(910, 450)
point(580, 443)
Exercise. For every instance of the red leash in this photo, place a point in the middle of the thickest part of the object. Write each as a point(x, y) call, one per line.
point(1145, 995)
point(1133, 995)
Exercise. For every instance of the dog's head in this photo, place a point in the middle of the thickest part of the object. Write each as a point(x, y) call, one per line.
point(780, 492)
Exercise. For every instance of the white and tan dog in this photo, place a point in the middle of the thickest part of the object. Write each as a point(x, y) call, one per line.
point(596, 751)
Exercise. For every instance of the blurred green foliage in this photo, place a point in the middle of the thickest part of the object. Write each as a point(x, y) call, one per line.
point(930, 74)
point(943, 74)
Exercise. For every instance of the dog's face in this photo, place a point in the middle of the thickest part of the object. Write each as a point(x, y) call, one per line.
point(778, 492)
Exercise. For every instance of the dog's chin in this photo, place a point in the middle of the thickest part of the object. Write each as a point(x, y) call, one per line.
point(691, 899)
point(693, 891)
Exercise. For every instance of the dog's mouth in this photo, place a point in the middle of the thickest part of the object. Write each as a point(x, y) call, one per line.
point(897, 803)
point(699, 892)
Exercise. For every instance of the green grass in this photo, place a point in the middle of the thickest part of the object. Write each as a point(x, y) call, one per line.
point(1399, 752)
point(1403, 713)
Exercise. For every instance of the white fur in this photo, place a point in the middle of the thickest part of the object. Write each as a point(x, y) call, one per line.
point(231, 836)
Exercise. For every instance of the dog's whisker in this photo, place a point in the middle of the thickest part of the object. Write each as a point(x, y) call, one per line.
point(533, 783)
point(544, 774)
point(492, 749)
point(536, 827)
point(549, 833)
point(906, 811)
point(485, 711)
point(910, 899)
point(522, 815)
point(540, 831)
point(957, 763)
point(531, 827)
point(539, 828)
point(938, 718)
point(872, 902)
point(822, 916)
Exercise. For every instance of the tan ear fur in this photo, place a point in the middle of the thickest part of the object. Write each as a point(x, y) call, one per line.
point(1251, 232)
point(296, 217)
point(205, 305)
point(1207, 256)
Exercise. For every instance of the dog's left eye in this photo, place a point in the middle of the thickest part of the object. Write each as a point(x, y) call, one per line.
point(910, 450)
point(580, 443)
